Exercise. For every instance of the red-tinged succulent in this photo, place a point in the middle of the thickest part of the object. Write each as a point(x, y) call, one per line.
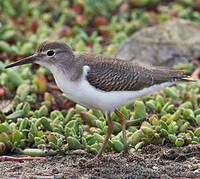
point(14, 57)
point(62, 32)
point(161, 94)
point(99, 21)
point(34, 26)
point(65, 31)
point(186, 95)
point(2, 148)
point(77, 8)
point(47, 96)
point(104, 33)
point(41, 84)
point(196, 5)
point(67, 104)
point(174, 13)
point(2, 91)
point(80, 19)
point(54, 106)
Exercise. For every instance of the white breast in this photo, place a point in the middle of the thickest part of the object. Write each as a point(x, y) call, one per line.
point(85, 94)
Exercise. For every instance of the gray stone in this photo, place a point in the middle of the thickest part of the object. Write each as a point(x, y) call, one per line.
point(176, 41)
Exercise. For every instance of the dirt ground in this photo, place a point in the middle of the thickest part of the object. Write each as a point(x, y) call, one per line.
point(151, 162)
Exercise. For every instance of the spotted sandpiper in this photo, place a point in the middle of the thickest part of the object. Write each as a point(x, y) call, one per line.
point(100, 82)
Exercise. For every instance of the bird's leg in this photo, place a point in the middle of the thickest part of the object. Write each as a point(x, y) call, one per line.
point(123, 123)
point(109, 132)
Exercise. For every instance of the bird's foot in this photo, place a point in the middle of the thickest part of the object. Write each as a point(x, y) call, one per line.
point(125, 152)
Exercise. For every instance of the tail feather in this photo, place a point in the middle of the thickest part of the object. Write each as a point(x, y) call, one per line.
point(187, 80)
point(161, 76)
point(183, 77)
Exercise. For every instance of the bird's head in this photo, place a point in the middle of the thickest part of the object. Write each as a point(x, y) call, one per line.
point(48, 54)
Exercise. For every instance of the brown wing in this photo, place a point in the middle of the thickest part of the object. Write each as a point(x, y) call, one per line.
point(109, 74)
point(120, 78)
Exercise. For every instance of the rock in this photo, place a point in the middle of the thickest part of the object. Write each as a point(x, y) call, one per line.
point(175, 41)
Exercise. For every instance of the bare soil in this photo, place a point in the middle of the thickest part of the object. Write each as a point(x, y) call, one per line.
point(151, 162)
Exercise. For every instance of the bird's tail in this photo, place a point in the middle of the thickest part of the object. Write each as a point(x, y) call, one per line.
point(161, 76)
point(183, 77)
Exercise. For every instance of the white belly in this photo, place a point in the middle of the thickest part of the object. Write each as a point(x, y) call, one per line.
point(83, 93)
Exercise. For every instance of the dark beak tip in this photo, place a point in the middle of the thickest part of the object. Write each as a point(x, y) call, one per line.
point(9, 66)
point(6, 67)
point(26, 60)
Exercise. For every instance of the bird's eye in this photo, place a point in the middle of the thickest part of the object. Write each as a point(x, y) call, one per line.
point(50, 53)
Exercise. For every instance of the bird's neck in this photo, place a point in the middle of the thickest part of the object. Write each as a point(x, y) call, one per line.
point(66, 72)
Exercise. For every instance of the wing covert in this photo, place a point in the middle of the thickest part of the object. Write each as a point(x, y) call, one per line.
point(115, 79)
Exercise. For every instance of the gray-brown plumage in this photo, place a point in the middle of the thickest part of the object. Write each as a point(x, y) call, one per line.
point(46, 45)
point(109, 74)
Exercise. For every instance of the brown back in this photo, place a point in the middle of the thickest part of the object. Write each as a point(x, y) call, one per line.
point(110, 74)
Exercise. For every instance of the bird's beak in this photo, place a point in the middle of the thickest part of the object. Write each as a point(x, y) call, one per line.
point(30, 59)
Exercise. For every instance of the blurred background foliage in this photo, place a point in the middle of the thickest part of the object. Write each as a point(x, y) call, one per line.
point(93, 25)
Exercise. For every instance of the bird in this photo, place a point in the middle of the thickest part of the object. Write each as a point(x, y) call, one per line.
point(101, 82)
